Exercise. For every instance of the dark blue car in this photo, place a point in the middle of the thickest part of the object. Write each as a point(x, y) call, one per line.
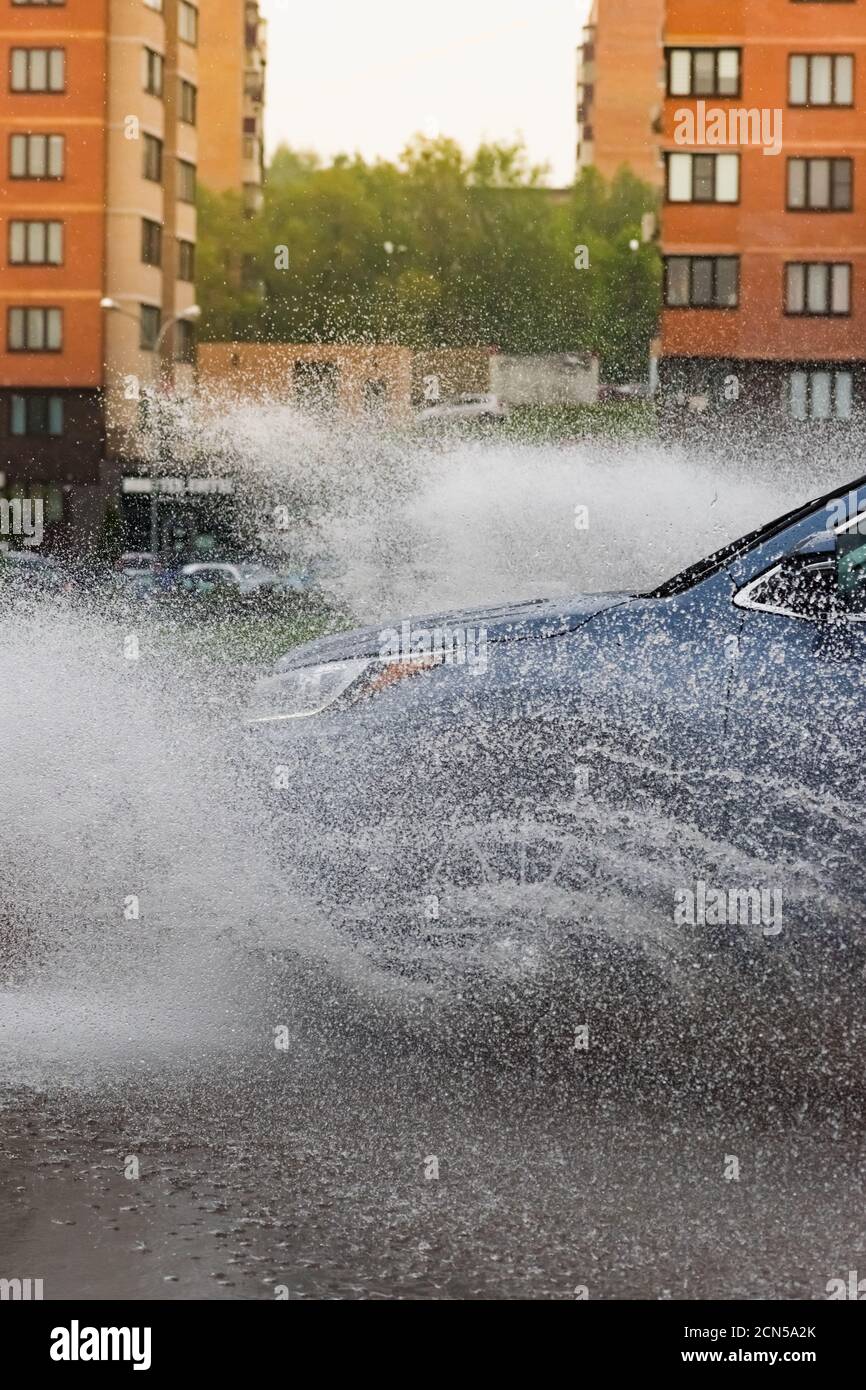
point(667, 780)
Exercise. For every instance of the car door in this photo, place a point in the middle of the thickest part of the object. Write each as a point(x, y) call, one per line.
point(796, 719)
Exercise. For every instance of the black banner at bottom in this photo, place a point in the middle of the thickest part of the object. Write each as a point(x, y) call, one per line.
point(224, 1337)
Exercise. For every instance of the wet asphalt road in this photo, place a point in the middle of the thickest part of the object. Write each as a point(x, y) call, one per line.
point(306, 1173)
point(311, 1171)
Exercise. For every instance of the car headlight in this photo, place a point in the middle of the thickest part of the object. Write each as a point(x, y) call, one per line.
point(300, 694)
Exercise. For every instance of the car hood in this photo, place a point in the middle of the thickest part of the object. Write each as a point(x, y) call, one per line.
point(509, 622)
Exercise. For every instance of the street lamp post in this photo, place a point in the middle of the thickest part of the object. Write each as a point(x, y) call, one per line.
point(189, 315)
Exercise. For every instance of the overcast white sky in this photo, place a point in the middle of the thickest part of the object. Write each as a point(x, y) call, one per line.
point(364, 75)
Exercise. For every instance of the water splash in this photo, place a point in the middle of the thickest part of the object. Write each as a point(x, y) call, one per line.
point(120, 796)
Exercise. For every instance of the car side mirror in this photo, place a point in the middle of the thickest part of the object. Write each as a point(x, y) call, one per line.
point(851, 571)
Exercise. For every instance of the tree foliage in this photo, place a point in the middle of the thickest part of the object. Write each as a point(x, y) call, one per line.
point(436, 249)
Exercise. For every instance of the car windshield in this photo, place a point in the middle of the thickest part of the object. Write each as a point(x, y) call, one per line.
point(711, 564)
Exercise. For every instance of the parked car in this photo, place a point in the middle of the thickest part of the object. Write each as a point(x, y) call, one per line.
point(299, 581)
point(26, 571)
point(137, 562)
point(627, 391)
point(242, 579)
point(606, 752)
point(468, 406)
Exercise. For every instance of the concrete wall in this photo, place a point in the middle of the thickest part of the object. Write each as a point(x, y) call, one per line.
point(286, 372)
point(457, 372)
point(558, 379)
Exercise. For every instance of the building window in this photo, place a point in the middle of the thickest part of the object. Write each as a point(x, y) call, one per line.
point(821, 79)
point(187, 22)
point(820, 395)
point(37, 156)
point(35, 330)
point(35, 243)
point(149, 327)
point(702, 282)
point(186, 260)
point(38, 2)
point(185, 181)
point(38, 69)
point(35, 414)
point(820, 185)
point(151, 242)
point(818, 287)
point(184, 341)
point(188, 102)
point(152, 159)
point(703, 72)
point(153, 72)
point(703, 178)
point(253, 199)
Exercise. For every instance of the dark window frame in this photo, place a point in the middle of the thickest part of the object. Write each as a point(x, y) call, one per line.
point(152, 142)
point(187, 102)
point(185, 5)
point(185, 251)
point(809, 159)
point(154, 63)
point(714, 307)
point(29, 398)
point(705, 202)
point(37, 91)
point(151, 235)
point(183, 168)
point(184, 342)
point(833, 371)
point(831, 105)
point(806, 313)
point(146, 312)
point(691, 94)
point(29, 135)
point(46, 222)
point(25, 309)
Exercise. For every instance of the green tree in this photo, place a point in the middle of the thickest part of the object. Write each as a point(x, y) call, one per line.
point(434, 249)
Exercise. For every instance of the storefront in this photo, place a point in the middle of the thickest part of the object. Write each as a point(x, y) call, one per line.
point(183, 518)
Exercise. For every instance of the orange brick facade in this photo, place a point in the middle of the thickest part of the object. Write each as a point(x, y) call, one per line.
point(77, 199)
point(97, 244)
point(619, 88)
point(806, 61)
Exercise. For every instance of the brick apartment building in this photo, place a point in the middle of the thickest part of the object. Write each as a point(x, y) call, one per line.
point(764, 312)
point(620, 88)
point(98, 142)
point(765, 254)
point(232, 63)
